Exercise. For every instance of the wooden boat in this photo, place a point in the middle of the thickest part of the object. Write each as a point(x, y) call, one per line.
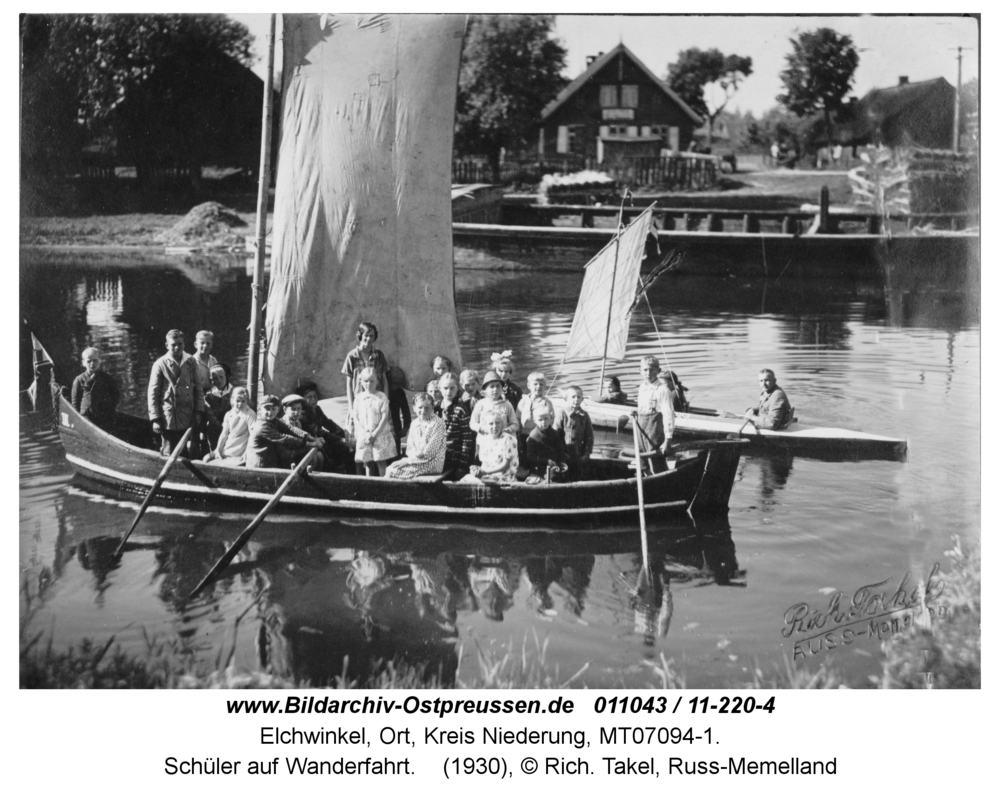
point(700, 481)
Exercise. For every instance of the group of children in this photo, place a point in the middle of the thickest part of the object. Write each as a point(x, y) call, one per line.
point(462, 427)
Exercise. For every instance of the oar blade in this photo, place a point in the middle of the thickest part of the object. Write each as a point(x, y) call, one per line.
point(155, 487)
point(239, 543)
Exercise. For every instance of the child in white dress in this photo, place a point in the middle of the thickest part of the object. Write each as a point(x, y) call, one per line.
point(375, 443)
point(497, 452)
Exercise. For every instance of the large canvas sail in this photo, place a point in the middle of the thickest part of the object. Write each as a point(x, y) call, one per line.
point(617, 264)
point(362, 222)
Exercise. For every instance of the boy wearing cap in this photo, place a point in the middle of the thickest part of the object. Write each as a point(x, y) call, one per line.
point(273, 443)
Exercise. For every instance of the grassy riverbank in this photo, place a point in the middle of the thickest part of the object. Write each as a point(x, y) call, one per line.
point(943, 653)
point(112, 221)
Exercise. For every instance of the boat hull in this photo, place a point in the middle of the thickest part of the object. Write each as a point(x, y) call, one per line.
point(701, 483)
point(802, 439)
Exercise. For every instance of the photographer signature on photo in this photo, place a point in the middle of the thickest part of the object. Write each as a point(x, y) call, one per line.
point(874, 611)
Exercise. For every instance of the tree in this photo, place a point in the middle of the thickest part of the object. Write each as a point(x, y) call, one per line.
point(695, 69)
point(511, 69)
point(819, 74)
point(96, 60)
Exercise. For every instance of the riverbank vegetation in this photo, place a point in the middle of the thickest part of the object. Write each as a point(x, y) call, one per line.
point(941, 653)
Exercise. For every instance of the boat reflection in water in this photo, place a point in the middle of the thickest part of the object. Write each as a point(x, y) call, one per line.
point(314, 600)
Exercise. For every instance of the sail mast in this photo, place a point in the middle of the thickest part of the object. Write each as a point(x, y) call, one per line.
point(611, 297)
point(253, 365)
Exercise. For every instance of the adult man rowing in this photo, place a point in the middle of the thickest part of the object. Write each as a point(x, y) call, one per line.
point(774, 412)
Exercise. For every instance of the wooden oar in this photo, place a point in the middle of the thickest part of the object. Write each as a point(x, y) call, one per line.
point(638, 483)
point(238, 544)
point(156, 486)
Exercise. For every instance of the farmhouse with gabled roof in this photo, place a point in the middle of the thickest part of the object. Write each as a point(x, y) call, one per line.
point(617, 108)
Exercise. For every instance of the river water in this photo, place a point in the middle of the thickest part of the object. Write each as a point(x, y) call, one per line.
point(305, 593)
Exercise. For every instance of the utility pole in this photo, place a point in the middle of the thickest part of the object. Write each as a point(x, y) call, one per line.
point(958, 102)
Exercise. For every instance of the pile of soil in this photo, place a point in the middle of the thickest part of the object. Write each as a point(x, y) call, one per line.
point(206, 225)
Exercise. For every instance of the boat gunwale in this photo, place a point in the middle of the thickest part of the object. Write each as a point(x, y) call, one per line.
point(153, 457)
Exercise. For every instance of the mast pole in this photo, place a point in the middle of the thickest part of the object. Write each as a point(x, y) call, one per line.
point(253, 365)
point(611, 299)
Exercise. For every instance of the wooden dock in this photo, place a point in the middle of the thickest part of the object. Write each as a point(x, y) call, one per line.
point(762, 254)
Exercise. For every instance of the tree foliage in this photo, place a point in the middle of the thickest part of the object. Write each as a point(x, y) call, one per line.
point(77, 68)
point(819, 74)
point(695, 69)
point(511, 69)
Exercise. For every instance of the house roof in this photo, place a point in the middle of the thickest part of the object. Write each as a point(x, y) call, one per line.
point(598, 64)
point(882, 103)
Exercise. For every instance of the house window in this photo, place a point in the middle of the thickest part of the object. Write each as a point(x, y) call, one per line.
point(574, 139)
point(630, 96)
point(609, 96)
point(562, 140)
point(617, 129)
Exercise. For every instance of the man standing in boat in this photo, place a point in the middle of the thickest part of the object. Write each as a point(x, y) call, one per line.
point(175, 394)
point(774, 412)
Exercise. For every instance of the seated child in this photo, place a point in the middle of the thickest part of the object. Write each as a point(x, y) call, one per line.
point(399, 408)
point(217, 402)
point(375, 443)
point(545, 446)
point(613, 392)
point(425, 446)
point(231, 447)
point(504, 367)
point(497, 451)
point(469, 383)
point(338, 453)
point(460, 438)
point(95, 393)
point(495, 402)
point(272, 443)
point(577, 431)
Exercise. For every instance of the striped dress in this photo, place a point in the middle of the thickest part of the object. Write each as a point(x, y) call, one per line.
point(460, 439)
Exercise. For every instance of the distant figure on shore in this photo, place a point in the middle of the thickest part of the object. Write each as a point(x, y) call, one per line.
point(774, 412)
point(175, 397)
point(95, 393)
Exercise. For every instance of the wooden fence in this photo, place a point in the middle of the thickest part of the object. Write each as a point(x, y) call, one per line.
point(684, 171)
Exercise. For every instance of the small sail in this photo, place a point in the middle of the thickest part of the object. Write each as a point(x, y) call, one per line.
point(362, 220)
point(590, 323)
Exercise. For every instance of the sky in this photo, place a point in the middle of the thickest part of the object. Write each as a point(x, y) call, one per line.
point(919, 47)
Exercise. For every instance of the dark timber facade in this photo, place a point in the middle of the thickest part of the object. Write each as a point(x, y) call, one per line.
point(616, 109)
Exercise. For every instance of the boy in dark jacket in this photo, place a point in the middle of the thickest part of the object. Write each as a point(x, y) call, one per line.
point(95, 393)
point(545, 447)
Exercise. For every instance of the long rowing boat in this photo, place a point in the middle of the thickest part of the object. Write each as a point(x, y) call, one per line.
point(699, 480)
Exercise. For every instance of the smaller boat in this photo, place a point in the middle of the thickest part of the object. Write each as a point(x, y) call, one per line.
point(802, 438)
point(611, 290)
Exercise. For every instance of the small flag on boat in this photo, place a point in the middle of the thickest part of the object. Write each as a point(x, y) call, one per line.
point(40, 356)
